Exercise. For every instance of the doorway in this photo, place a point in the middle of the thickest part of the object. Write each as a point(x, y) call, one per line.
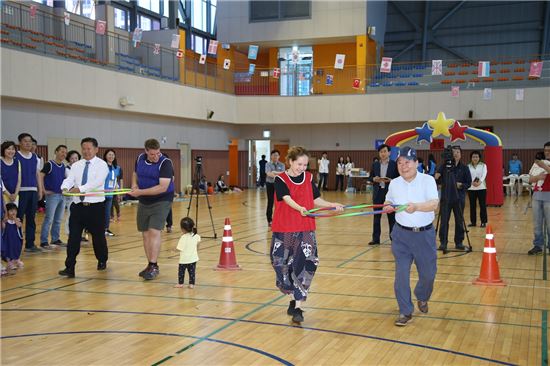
point(257, 148)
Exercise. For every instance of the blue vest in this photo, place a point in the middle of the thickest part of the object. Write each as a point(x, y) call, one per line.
point(28, 170)
point(149, 173)
point(112, 177)
point(10, 175)
point(54, 178)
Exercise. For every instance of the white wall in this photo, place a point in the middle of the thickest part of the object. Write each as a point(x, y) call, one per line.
point(328, 19)
point(360, 136)
point(111, 128)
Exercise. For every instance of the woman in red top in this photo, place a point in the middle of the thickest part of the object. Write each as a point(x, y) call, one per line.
point(293, 244)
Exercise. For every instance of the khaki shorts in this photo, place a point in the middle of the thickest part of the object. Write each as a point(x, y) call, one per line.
point(152, 216)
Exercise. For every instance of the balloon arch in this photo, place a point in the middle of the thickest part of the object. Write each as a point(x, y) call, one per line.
point(455, 131)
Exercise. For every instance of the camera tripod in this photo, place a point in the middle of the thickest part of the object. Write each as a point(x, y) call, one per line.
point(450, 181)
point(195, 191)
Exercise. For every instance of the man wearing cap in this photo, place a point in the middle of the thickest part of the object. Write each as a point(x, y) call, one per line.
point(413, 235)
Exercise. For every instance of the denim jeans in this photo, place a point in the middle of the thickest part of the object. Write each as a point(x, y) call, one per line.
point(28, 202)
point(55, 206)
point(108, 206)
point(541, 213)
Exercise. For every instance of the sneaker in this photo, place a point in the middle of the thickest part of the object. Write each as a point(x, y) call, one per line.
point(403, 320)
point(534, 251)
point(20, 263)
point(483, 224)
point(374, 242)
point(67, 272)
point(459, 246)
point(473, 225)
point(152, 273)
point(32, 250)
point(291, 307)
point(58, 242)
point(145, 270)
point(101, 266)
point(298, 315)
point(109, 233)
point(45, 246)
point(168, 229)
point(422, 306)
point(442, 247)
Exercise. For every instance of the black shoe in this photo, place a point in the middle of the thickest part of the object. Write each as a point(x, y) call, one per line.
point(483, 224)
point(473, 225)
point(67, 272)
point(109, 233)
point(33, 250)
point(374, 243)
point(442, 247)
point(298, 316)
point(58, 242)
point(291, 307)
point(403, 320)
point(535, 251)
point(101, 266)
point(142, 273)
point(152, 273)
point(459, 246)
point(422, 306)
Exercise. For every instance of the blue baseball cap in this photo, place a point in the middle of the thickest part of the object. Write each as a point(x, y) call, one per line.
point(407, 152)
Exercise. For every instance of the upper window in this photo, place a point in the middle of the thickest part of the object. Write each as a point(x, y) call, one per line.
point(147, 24)
point(81, 7)
point(203, 15)
point(45, 2)
point(153, 5)
point(121, 19)
point(262, 11)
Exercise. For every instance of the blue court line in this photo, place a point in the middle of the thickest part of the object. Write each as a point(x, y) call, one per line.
point(276, 358)
point(45, 290)
point(235, 320)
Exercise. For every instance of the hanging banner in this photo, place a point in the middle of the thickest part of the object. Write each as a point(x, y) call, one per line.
point(251, 69)
point(67, 18)
point(356, 83)
point(385, 66)
point(483, 69)
point(175, 43)
point(535, 71)
point(202, 59)
point(487, 94)
point(33, 11)
point(330, 80)
point(339, 61)
point(226, 63)
point(437, 67)
point(519, 94)
point(137, 35)
point(179, 54)
point(213, 47)
point(156, 49)
point(100, 26)
point(252, 52)
point(455, 91)
point(276, 73)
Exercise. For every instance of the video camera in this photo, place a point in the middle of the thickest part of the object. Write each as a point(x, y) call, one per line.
point(448, 157)
point(198, 160)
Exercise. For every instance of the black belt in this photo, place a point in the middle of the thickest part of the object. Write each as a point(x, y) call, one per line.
point(415, 229)
point(87, 203)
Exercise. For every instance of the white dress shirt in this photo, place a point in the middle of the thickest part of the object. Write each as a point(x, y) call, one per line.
point(480, 172)
point(421, 189)
point(97, 172)
point(323, 165)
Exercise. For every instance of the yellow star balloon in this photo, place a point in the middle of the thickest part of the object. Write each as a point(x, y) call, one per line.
point(441, 125)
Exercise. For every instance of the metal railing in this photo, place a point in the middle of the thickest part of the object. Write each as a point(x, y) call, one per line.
point(47, 33)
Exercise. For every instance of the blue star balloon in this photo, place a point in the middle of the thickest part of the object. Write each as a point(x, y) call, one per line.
point(424, 133)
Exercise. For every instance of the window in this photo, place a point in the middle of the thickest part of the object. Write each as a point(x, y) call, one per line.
point(81, 7)
point(121, 19)
point(153, 5)
point(295, 79)
point(44, 2)
point(203, 15)
point(147, 24)
point(261, 11)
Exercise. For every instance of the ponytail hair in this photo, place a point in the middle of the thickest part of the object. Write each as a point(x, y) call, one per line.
point(188, 225)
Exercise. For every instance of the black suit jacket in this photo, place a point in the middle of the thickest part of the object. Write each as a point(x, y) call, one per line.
point(391, 173)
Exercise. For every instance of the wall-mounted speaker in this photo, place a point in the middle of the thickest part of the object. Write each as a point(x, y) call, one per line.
point(209, 114)
point(470, 114)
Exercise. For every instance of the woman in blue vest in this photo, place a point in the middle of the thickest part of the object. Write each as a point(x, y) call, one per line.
point(11, 173)
point(110, 183)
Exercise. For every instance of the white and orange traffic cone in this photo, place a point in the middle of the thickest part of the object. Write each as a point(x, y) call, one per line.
point(228, 259)
point(489, 273)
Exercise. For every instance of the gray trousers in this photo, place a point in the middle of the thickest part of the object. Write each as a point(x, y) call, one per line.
point(420, 247)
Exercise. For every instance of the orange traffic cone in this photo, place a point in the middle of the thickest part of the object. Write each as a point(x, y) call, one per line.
point(228, 260)
point(489, 273)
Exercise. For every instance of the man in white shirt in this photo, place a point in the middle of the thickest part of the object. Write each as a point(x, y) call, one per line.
point(413, 235)
point(323, 172)
point(87, 212)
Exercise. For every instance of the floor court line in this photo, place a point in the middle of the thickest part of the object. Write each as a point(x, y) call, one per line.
point(242, 320)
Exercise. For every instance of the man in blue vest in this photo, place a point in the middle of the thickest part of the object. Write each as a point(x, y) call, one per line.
point(31, 189)
point(383, 171)
point(153, 185)
point(51, 177)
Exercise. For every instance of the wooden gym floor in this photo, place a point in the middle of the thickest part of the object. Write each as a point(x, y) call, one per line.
point(239, 318)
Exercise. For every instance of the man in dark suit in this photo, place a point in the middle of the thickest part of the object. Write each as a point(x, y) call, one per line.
point(382, 172)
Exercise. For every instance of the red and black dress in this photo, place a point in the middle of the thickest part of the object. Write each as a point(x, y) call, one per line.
point(293, 244)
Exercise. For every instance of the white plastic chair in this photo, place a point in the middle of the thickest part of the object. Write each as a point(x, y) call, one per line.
point(524, 183)
point(511, 185)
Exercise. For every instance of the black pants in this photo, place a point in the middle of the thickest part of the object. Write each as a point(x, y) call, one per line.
point(379, 198)
point(270, 189)
point(169, 219)
point(340, 182)
point(262, 179)
point(457, 207)
point(190, 269)
point(479, 195)
point(91, 218)
point(323, 181)
point(28, 201)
